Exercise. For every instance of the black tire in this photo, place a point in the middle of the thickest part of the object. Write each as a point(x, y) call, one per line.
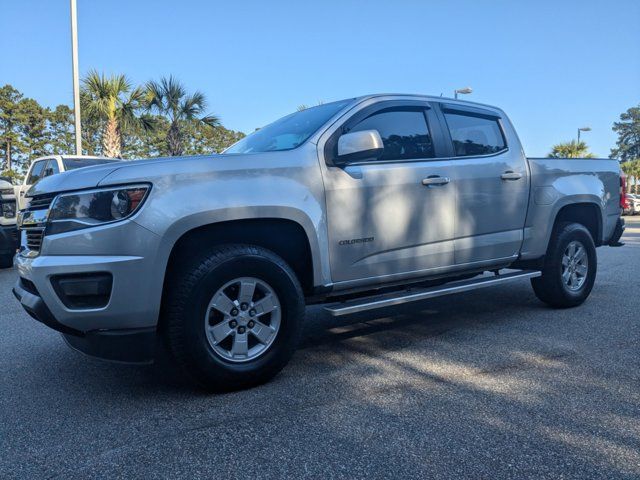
point(551, 287)
point(6, 261)
point(187, 301)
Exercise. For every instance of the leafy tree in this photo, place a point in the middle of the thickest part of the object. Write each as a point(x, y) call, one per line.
point(201, 139)
point(27, 130)
point(112, 100)
point(32, 128)
point(169, 98)
point(9, 119)
point(61, 133)
point(148, 143)
point(91, 129)
point(16, 178)
point(571, 149)
point(628, 130)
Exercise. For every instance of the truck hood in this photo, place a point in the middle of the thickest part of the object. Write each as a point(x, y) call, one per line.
point(86, 177)
point(4, 185)
point(150, 169)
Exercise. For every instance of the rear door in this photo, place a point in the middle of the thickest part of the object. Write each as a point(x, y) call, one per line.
point(392, 217)
point(492, 184)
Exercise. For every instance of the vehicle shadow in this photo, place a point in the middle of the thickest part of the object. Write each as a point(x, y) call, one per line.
point(495, 361)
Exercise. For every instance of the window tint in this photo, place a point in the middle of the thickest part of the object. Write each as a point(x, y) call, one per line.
point(404, 133)
point(36, 172)
point(473, 135)
point(51, 168)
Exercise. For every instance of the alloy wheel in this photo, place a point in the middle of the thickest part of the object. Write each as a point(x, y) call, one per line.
point(243, 319)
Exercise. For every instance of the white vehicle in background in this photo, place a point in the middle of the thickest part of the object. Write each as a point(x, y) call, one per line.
point(633, 205)
point(8, 230)
point(46, 166)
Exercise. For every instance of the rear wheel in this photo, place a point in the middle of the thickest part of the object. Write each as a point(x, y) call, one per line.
point(570, 266)
point(233, 316)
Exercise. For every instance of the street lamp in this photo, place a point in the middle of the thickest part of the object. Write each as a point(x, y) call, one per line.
point(76, 79)
point(462, 91)
point(583, 129)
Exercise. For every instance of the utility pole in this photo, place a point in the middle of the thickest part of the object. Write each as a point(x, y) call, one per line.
point(76, 78)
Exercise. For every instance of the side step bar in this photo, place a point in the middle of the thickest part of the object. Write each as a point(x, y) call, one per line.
point(413, 295)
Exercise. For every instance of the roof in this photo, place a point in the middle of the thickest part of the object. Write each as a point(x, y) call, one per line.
point(426, 97)
point(78, 157)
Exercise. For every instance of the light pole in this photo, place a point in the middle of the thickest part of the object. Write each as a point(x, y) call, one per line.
point(583, 129)
point(462, 91)
point(76, 79)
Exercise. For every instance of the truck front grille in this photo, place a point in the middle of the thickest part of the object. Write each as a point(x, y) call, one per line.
point(34, 238)
point(40, 202)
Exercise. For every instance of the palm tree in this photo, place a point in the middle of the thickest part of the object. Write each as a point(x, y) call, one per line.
point(112, 102)
point(169, 98)
point(632, 169)
point(571, 149)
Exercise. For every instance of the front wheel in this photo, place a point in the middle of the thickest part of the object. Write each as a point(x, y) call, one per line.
point(569, 269)
point(232, 317)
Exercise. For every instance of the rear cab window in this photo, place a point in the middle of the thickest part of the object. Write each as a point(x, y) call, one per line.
point(474, 134)
point(73, 163)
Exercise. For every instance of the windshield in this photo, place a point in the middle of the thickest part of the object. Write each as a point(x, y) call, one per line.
point(288, 132)
point(73, 163)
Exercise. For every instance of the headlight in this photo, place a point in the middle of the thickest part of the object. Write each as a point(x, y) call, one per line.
point(8, 209)
point(89, 208)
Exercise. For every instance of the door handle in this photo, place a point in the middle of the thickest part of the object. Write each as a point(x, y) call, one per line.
point(509, 175)
point(435, 181)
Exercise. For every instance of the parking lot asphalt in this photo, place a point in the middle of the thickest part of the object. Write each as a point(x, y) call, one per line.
point(486, 384)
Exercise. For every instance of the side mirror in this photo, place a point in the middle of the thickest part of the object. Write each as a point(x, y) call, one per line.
point(363, 145)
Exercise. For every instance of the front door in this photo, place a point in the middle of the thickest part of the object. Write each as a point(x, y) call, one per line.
point(392, 217)
point(35, 173)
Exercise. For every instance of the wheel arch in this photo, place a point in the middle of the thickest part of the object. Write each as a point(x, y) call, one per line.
point(285, 237)
point(588, 214)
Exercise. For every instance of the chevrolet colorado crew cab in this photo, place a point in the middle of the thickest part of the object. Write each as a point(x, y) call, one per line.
point(8, 230)
point(357, 204)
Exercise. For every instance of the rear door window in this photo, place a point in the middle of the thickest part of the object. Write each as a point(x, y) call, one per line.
point(474, 135)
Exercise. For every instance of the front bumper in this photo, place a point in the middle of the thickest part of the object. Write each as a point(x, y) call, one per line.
point(129, 345)
point(9, 239)
point(121, 328)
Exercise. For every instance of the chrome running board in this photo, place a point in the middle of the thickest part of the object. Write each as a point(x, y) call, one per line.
point(415, 294)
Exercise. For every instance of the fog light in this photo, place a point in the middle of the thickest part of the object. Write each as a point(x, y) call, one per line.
point(83, 290)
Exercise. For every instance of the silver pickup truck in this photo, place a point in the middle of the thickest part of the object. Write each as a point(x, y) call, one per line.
point(357, 205)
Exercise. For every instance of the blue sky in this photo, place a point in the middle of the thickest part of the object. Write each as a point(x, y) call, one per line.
point(553, 66)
